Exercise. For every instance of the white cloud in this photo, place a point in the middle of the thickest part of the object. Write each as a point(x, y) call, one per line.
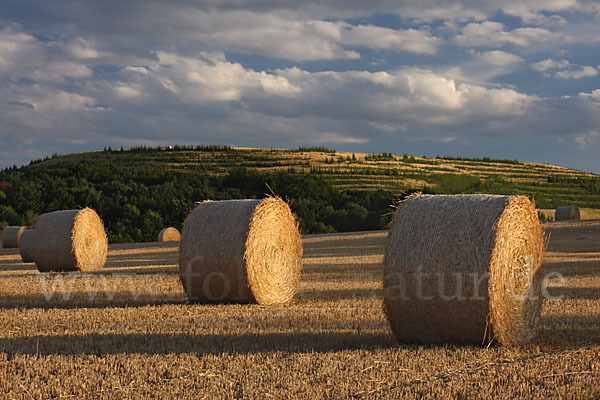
point(492, 34)
point(375, 37)
point(282, 37)
point(589, 140)
point(212, 78)
point(563, 69)
point(549, 64)
point(271, 35)
point(22, 55)
point(499, 58)
point(577, 73)
point(333, 137)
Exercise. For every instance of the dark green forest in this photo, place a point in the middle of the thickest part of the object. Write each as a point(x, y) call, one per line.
point(135, 202)
point(137, 194)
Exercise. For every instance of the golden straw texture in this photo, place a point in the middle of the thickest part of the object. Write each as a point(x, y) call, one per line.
point(566, 213)
point(242, 251)
point(26, 246)
point(169, 234)
point(464, 268)
point(11, 236)
point(70, 240)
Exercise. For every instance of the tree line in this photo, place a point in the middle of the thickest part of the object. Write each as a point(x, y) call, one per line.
point(137, 201)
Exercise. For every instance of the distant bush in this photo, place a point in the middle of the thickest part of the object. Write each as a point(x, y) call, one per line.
point(380, 157)
point(318, 149)
point(484, 159)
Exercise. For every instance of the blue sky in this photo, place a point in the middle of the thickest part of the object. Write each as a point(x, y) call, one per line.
point(505, 78)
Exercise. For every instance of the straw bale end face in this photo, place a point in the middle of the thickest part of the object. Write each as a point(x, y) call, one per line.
point(70, 240)
point(11, 236)
point(464, 269)
point(169, 234)
point(241, 251)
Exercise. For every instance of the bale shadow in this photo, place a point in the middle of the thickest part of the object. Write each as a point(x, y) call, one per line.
point(9, 251)
point(18, 266)
point(342, 251)
point(340, 294)
point(572, 331)
point(78, 300)
point(589, 267)
point(166, 258)
point(201, 344)
point(142, 245)
point(584, 293)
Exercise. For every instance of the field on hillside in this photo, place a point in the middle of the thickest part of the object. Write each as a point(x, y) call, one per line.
point(551, 185)
point(128, 332)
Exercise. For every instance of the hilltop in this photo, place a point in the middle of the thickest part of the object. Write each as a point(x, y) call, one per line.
point(140, 189)
point(550, 185)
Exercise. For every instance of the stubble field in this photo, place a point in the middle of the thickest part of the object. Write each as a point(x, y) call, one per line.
point(129, 332)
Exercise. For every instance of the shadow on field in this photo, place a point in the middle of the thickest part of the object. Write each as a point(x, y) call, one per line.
point(82, 300)
point(340, 294)
point(162, 258)
point(589, 267)
point(96, 344)
point(343, 245)
point(573, 331)
point(573, 236)
point(586, 293)
point(17, 266)
point(326, 252)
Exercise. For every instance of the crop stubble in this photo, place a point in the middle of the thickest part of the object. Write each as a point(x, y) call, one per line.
point(129, 332)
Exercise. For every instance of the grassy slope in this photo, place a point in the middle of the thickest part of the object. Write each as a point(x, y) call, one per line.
point(363, 171)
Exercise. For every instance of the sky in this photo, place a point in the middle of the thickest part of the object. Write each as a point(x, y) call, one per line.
point(512, 79)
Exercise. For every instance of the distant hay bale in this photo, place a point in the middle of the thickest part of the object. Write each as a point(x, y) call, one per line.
point(169, 234)
point(70, 240)
point(11, 236)
point(241, 251)
point(566, 213)
point(26, 246)
point(464, 269)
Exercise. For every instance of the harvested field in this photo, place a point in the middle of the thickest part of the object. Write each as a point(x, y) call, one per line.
point(127, 331)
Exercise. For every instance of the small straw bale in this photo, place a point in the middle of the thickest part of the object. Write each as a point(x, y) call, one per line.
point(69, 240)
point(169, 234)
point(26, 246)
point(566, 213)
point(241, 251)
point(464, 269)
point(11, 236)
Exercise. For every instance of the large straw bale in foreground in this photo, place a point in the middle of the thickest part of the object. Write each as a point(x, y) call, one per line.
point(11, 236)
point(464, 268)
point(26, 246)
point(70, 240)
point(169, 234)
point(241, 251)
point(566, 213)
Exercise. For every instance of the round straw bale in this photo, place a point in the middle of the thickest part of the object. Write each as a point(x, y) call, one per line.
point(241, 251)
point(26, 246)
point(566, 213)
point(169, 234)
point(70, 240)
point(11, 236)
point(464, 269)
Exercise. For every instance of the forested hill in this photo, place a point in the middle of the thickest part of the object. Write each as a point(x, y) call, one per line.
point(140, 190)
